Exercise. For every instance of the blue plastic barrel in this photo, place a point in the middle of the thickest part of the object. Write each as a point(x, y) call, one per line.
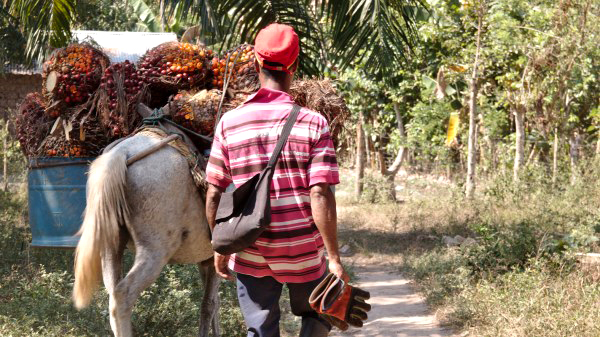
point(56, 189)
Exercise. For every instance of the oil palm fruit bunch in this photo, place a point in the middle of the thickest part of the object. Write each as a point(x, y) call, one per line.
point(175, 66)
point(85, 137)
point(197, 111)
point(72, 75)
point(33, 124)
point(121, 89)
point(238, 65)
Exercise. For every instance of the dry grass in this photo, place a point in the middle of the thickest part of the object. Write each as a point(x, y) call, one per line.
point(519, 280)
point(531, 303)
point(384, 232)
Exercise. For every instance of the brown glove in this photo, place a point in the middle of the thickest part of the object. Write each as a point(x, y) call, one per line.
point(341, 301)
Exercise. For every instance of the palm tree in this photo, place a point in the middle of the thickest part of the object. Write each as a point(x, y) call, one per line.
point(334, 34)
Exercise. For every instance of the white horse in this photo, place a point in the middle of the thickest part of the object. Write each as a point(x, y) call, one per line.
point(154, 206)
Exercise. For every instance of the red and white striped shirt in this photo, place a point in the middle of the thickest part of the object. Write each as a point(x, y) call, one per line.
point(291, 248)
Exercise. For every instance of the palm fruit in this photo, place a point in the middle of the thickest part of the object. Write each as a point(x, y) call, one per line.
point(33, 124)
point(175, 66)
point(237, 65)
point(120, 91)
point(71, 76)
point(197, 111)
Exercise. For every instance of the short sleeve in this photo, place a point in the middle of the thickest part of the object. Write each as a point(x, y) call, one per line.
point(322, 165)
point(218, 169)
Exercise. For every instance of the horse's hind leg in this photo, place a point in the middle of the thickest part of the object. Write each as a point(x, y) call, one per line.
point(112, 269)
point(209, 312)
point(149, 262)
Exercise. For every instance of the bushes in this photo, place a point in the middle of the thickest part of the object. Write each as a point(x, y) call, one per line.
point(501, 248)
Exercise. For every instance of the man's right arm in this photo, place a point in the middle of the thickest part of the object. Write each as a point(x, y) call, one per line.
point(213, 197)
point(218, 177)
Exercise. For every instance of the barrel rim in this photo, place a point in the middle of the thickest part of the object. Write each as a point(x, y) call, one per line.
point(45, 162)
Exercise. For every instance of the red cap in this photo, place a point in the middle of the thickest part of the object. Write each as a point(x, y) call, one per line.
point(277, 47)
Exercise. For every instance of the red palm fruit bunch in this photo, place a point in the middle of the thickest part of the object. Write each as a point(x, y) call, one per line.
point(197, 111)
point(121, 89)
point(72, 74)
point(33, 124)
point(175, 66)
point(238, 66)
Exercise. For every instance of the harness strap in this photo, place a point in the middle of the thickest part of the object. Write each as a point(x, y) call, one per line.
point(287, 129)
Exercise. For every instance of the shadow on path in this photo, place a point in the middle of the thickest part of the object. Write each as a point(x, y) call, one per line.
point(396, 309)
point(370, 241)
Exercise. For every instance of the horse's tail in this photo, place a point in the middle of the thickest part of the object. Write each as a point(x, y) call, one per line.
point(106, 210)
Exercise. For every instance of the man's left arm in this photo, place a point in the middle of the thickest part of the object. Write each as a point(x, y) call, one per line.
point(322, 202)
point(322, 173)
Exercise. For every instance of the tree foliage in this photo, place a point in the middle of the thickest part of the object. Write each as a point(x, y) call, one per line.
point(333, 33)
point(540, 57)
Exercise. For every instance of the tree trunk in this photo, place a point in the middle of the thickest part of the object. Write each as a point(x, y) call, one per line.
point(493, 155)
point(472, 151)
point(520, 142)
point(381, 160)
point(371, 154)
point(532, 155)
point(390, 174)
point(360, 157)
point(5, 156)
point(574, 155)
point(162, 15)
point(555, 157)
point(366, 142)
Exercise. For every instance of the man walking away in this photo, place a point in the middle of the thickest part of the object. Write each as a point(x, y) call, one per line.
point(304, 220)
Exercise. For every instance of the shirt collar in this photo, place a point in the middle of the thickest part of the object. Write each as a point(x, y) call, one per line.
point(266, 95)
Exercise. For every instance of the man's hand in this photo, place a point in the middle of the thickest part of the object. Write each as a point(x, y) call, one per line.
point(336, 268)
point(221, 262)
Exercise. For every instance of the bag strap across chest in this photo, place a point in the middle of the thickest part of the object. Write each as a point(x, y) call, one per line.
point(285, 133)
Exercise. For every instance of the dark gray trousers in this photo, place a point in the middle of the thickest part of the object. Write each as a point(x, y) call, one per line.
point(259, 301)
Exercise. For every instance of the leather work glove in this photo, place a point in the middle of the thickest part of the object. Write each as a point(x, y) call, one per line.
point(340, 301)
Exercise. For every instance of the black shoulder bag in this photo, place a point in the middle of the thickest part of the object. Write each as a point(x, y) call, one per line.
point(244, 213)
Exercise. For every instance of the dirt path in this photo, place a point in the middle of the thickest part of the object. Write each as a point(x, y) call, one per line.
point(397, 309)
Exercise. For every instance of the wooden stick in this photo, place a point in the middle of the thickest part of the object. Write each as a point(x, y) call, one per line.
point(151, 149)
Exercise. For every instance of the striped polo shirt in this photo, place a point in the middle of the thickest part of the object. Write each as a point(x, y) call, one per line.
point(291, 248)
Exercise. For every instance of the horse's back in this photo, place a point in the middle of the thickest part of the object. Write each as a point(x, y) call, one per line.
point(166, 210)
